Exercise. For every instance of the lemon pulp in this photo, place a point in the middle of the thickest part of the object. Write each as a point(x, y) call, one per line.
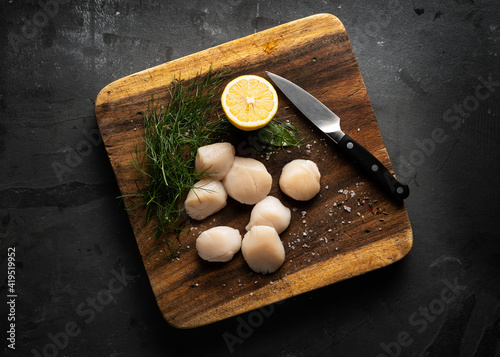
point(249, 102)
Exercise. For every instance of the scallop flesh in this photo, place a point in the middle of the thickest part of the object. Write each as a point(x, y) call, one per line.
point(300, 179)
point(263, 250)
point(214, 160)
point(218, 244)
point(270, 212)
point(247, 181)
point(205, 198)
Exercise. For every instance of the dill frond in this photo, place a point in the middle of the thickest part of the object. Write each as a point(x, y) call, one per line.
point(165, 156)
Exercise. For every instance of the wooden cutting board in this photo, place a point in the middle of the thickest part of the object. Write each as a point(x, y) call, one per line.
point(349, 228)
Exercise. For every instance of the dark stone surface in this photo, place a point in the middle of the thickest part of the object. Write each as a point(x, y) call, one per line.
point(425, 65)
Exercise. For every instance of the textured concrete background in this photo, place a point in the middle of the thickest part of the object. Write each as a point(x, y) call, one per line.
point(427, 66)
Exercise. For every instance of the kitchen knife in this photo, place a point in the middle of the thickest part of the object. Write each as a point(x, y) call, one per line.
point(328, 122)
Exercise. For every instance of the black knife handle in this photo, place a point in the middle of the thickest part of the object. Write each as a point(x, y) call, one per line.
point(374, 167)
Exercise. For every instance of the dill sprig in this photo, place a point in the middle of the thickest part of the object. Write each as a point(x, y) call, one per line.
point(165, 160)
point(279, 133)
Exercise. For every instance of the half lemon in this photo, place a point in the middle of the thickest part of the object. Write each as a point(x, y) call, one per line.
point(250, 102)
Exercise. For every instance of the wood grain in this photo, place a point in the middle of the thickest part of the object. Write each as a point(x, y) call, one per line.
point(350, 228)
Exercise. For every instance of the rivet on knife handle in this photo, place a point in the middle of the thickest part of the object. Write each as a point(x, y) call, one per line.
point(373, 166)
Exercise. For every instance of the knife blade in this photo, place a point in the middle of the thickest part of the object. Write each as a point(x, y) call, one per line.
point(329, 123)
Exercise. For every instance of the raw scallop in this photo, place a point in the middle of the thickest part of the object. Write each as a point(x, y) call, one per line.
point(270, 212)
point(205, 198)
point(247, 181)
point(214, 160)
point(300, 179)
point(263, 250)
point(218, 244)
